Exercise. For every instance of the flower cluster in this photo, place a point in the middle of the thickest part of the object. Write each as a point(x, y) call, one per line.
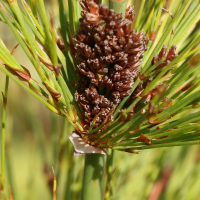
point(110, 54)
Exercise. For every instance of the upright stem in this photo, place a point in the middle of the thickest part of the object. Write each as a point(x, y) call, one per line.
point(119, 6)
point(95, 163)
point(2, 171)
point(92, 179)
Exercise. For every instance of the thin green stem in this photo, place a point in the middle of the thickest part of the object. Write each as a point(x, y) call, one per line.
point(5, 95)
point(146, 15)
point(22, 43)
point(63, 21)
point(67, 95)
point(158, 15)
point(32, 17)
point(54, 138)
point(69, 166)
point(139, 14)
point(191, 52)
point(172, 144)
point(33, 8)
point(45, 22)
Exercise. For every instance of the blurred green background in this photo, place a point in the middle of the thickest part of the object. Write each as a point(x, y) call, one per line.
point(36, 140)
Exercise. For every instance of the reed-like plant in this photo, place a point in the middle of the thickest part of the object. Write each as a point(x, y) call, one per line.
point(124, 82)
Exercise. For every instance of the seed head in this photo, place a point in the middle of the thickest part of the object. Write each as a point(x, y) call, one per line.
point(110, 55)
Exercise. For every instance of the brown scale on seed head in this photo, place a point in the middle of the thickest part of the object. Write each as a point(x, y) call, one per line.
point(110, 54)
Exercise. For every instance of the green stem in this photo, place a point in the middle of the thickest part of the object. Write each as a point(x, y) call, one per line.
point(92, 178)
point(70, 173)
point(119, 6)
point(2, 182)
point(69, 164)
point(139, 14)
point(108, 193)
point(55, 136)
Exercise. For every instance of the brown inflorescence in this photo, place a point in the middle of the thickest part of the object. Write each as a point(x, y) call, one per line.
point(110, 54)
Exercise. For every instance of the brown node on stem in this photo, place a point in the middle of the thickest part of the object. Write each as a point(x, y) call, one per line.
point(58, 112)
point(167, 11)
point(4, 101)
point(54, 93)
point(195, 60)
point(23, 75)
point(57, 69)
point(187, 87)
point(156, 121)
point(34, 89)
point(49, 176)
point(144, 139)
point(123, 116)
point(11, 193)
point(54, 184)
point(135, 130)
point(46, 61)
point(12, 52)
point(128, 150)
point(59, 40)
point(74, 113)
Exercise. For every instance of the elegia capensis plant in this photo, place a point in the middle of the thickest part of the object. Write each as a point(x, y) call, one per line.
point(125, 80)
